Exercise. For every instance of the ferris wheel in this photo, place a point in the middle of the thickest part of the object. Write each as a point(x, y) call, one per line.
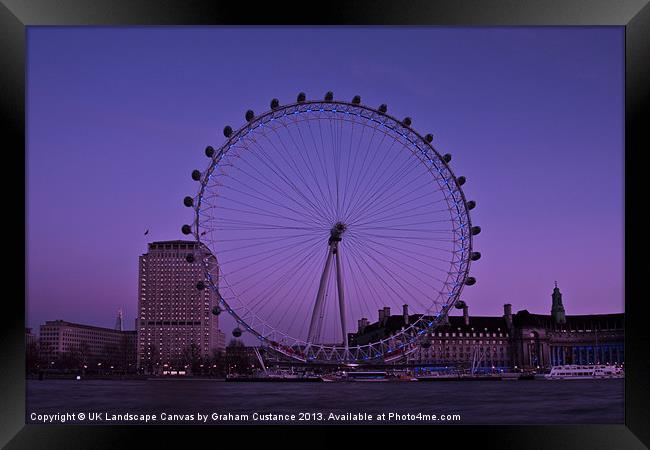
point(320, 213)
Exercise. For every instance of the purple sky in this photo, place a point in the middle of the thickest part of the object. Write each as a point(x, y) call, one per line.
point(118, 118)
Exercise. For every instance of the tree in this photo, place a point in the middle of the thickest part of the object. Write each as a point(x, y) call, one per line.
point(83, 351)
point(46, 356)
point(110, 357)
point(216, 363)
point(237, 357)
point(192, 358)
point(69, 361)
point(32, 357)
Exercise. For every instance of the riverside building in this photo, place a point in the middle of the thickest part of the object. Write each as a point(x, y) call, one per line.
point(511, 341)
point(175, 323)
point(81, 345)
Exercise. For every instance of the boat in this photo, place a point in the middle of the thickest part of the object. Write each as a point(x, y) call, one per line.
point(275, 378)
point(514, 376)
point(480, 377)
point(510, 376)
point(403, 377)
point(584, 372)
point(266, 375)
point(366, 376)
point(439, 376)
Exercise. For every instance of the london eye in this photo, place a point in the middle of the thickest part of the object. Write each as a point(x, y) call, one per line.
point(319, 213)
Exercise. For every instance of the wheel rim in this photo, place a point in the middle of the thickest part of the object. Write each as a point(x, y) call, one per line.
point(234, 234)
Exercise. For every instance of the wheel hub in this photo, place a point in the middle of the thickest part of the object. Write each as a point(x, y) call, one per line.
point(337, 231)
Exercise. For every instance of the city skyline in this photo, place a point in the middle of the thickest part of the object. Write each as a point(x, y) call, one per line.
point(551, 212)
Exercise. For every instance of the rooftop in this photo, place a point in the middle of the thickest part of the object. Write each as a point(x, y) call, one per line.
point(498, 323)
point(176, 242)
point(476, 323)
point(587, 321)
point(64, 323)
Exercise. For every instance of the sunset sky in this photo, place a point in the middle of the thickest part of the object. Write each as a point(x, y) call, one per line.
point(118, 118)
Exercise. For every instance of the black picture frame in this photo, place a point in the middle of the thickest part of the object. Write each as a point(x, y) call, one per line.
point(634, 15)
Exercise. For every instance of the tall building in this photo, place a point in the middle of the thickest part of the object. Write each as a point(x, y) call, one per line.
point(76, 345)
point(522, 340)
point(119, 320)
point(175, 323)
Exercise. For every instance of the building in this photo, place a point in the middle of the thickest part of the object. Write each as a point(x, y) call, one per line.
point(482, 342)
point(543, 341)
point(460, 342)
point(119, 320)
point(174, 321)
point(32, 357)
point(520, 341)
point(67, 345)
point(30, 338)
point(240, 359)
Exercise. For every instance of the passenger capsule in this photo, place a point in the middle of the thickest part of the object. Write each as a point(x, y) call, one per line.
point(329, 96)
point(428, 137)
point(188, 201)
point(236, 332)
point(186, 229)
point(446, 157)
point(475, 256)
point(470, 281)
point(200, 285)
point(383, 108)
point(275, 103)
point(460, 304)
point(407, 121)
point(189, 258)
point(209, 151)
point(471, 205)
point(216, 310)
point(476, 230)
point(301, 97)
point(196, 175)
point(250, 115)
point(461, 180)
point(227, 131)
point(356, 99)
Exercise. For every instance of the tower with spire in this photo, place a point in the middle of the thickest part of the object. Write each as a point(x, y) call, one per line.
point(557, 308)
point(118, 320)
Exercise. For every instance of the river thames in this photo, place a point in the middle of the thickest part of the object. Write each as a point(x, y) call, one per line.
point(216, 402)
